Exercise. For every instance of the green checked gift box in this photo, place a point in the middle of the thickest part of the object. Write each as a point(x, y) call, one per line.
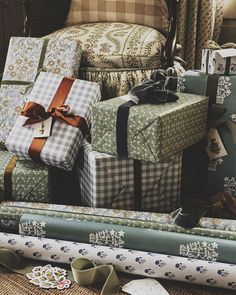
point(25, 58)
point(154, 132)
point(218, 153)
point(107, 181)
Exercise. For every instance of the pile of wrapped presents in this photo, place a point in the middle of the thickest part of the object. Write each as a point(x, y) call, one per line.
point(144, 151)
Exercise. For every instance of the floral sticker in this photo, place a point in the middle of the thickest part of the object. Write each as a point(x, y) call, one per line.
point(49, 277)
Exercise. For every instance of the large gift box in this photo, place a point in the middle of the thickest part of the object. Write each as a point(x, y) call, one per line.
point(221, 61)
point(154, 132)
point(25, 58)
point(62, 105)
point(218, 152)
point(110, 182)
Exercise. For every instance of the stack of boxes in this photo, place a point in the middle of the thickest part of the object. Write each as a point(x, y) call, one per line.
point(51, 128)
point(218, 152)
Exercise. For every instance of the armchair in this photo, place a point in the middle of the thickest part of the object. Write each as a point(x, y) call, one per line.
point(123, 41)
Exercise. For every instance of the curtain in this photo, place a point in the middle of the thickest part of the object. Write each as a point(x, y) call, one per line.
point(198, 21)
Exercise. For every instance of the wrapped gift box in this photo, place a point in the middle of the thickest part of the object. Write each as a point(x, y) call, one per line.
point(27, 181)
point(155, 132)
point(26, 56)
point(23, 180)
point(219, 169)
point(222, 61)
point(109, 182)
point(61, 147)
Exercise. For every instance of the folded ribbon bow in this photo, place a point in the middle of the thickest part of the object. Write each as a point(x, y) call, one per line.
point(37, 113)
point(156, 90)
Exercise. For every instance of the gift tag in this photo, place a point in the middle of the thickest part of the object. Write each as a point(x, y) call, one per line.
point(144, 286)
point(43, 129)
point(215, 148)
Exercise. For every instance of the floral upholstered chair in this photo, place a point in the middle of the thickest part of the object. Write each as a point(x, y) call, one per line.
point(123, 41)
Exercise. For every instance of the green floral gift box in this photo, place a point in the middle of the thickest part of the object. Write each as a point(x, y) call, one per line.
point(154, 132)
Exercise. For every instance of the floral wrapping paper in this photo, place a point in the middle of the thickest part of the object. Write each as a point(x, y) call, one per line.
point(221, 174)
point(135, 238)
point(26, 56)
point(108, 182)
point(211, 227)
point(125, 260)
point(30, 181)
point(168, 128)
point(62, 146)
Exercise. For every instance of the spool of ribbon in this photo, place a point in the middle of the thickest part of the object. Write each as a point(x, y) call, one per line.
point(57, 110)
point(84, 271)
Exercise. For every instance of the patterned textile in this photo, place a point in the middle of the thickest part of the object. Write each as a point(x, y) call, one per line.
point(108, 182)
point(115, 45)
point(61, 147)
point(26, 56)
point(151, 13)
point(30, 181)
point(167, 130)
point(198, 22)
point(129, 261)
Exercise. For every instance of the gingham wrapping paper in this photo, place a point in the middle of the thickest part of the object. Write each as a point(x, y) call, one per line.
point(151, 13)
point(62, 146)
point(107, 181)
point(189, 270)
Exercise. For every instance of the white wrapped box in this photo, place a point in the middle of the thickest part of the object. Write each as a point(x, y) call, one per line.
point(222, 61)
point(61, 148)
point(108, 182)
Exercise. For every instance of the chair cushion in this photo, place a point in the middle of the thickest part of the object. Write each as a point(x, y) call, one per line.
point(151, 13)
point(116, 45)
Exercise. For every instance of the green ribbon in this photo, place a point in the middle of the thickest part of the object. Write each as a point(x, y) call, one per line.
point(84, 271)
point(215, 46)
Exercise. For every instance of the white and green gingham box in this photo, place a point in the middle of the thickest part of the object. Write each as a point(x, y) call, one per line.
point(108, 182)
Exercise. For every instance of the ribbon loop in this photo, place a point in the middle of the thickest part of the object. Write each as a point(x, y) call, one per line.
point(215, 46)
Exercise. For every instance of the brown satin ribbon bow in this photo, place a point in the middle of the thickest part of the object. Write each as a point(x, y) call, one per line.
point(37, 113)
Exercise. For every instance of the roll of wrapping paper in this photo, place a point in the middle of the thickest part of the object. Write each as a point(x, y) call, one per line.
point(134, 262)
point(211, 227)
point(205, 248)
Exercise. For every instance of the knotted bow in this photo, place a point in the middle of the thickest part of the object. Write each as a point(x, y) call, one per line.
point(215, 46)
point(37, 113)
point(159, 89)
point(221, 205)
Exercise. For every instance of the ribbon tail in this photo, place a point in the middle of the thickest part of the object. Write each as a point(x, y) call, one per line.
point(85, 273)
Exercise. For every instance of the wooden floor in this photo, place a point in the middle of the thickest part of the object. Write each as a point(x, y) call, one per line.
point(14, 284)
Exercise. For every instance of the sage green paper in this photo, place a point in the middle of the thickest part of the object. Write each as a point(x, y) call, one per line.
point(155, 132)
point(119, 236)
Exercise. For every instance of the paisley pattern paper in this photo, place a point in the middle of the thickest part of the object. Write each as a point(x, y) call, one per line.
point(129, 261)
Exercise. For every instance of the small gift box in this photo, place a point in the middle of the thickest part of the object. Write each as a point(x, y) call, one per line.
point(25, 58)
point(219, 59)
point(53, 120)
point(153, 132)
point(110, 182)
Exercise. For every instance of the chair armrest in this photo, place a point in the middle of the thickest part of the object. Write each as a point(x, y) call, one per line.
point(169, 48)
point(44, 16)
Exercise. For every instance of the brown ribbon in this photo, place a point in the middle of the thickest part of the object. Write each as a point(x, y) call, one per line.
point(8, 178)
point(57, 110)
